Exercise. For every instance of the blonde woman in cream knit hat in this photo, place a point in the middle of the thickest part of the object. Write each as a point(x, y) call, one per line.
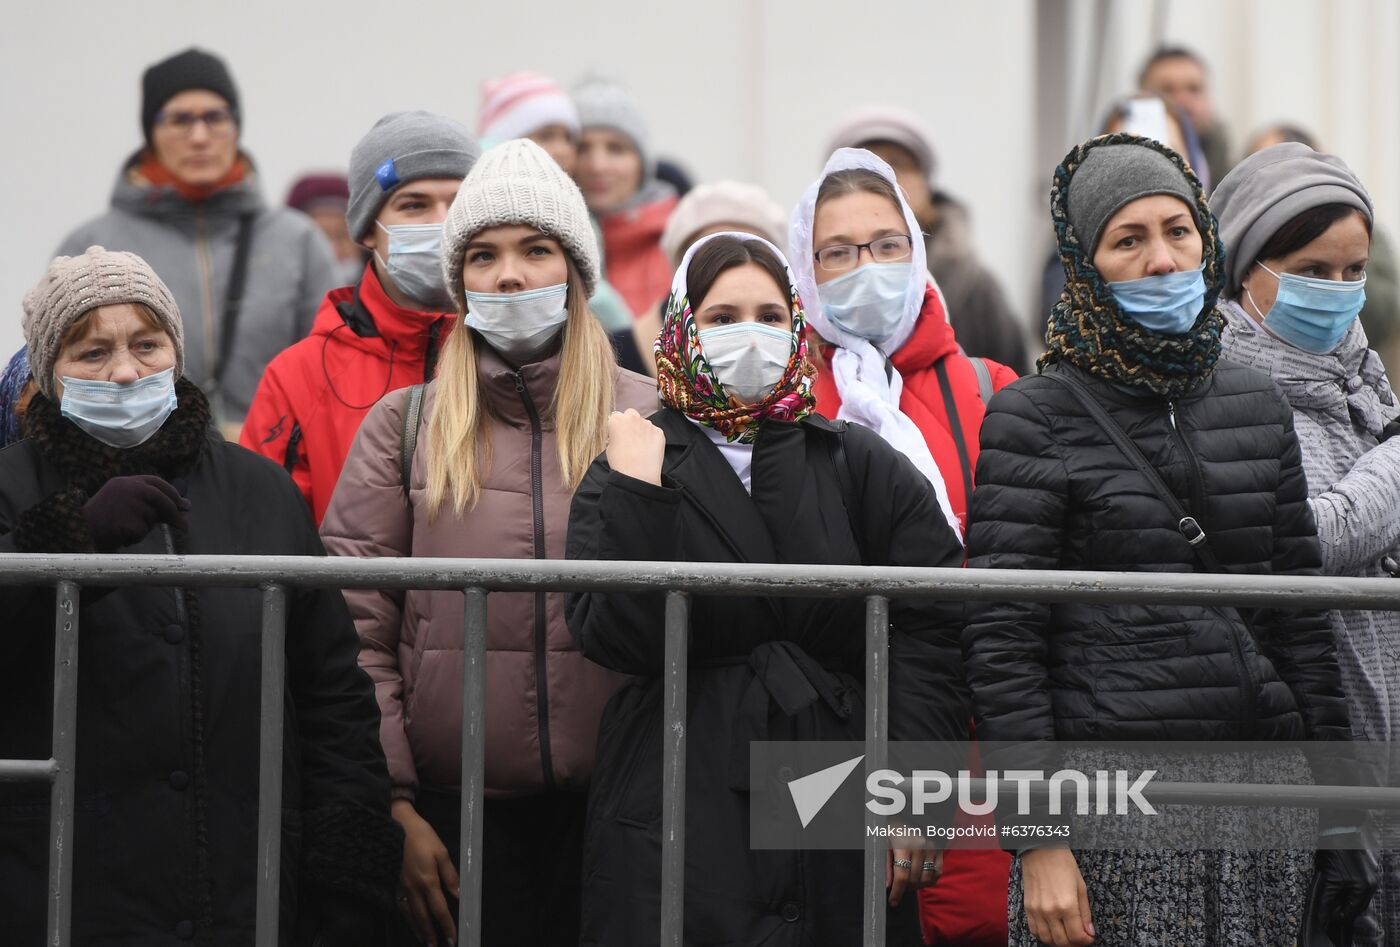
point(517, 412)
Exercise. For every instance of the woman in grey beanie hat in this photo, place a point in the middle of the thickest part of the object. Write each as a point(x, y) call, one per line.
point(1297, 226)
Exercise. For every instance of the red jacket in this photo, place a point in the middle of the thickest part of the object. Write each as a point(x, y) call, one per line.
point(314, 395)
point(932, 343)
point(968, 905)
point(636, 265)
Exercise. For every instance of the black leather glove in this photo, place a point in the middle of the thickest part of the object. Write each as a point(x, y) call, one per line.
point(1344, 881)
point(342, 920)
point(126, 509)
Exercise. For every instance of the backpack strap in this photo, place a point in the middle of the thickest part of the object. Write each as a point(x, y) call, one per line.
point(950, 405)
point(408, 439)
point(984, 379)
point(836, 449)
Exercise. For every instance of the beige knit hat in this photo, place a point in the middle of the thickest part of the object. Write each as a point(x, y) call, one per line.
point(740, 206)
point(517, 182)
point(74, 285)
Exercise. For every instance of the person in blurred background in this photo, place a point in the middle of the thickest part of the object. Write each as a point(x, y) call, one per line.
point(247, 275)
point(16, 388)
point(384, 332)
point(617, 173)
point(982, 318)
point(323, 198)
point(1180, 76)
point(1380, 316)
point(534, 106)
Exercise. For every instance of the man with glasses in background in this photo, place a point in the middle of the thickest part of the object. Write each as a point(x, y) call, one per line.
point(247, 276)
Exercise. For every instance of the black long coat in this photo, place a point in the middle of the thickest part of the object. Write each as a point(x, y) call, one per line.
point(152, 822)
point(760, 669)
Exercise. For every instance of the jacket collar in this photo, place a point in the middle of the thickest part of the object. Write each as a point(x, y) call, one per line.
point(932, 338)
point(365, 317)
point(135, 195)
point(506, 388)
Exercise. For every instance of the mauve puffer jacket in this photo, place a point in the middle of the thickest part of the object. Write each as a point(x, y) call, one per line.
point(543, 698)
point(1053, 492)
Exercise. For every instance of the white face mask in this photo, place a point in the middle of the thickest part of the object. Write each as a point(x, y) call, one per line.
point(120, 415)
point(869, 301)
point(519, 325)
point(749, 358)
point(415, 264)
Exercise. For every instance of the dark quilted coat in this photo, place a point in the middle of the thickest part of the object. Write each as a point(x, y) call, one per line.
point(1053, 492)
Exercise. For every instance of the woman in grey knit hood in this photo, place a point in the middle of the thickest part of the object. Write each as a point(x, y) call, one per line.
point(1297, 229)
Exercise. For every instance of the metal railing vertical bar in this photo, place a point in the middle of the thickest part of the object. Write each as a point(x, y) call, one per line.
point(271, 696)
point(473, 766)
point(65, 746)
point(673, 776)
point(877, 731)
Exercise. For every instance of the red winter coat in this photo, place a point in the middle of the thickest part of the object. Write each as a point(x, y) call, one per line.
point(637, 266)
point(968, 905)
point(314, 395)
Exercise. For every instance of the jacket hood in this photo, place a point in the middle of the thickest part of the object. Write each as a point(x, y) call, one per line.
point(135, 195)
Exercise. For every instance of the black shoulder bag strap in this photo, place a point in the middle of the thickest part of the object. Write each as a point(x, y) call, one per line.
point(1185, 522)
point(233, 296)
point(950, 404)
point(408, 438)
point(836, 447)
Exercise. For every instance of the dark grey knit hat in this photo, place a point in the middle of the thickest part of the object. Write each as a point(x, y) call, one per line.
point(403, 147)
point(1113, 176)
point(1271, 187)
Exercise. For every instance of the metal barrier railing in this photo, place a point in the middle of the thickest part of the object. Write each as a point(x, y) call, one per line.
point(478, 577)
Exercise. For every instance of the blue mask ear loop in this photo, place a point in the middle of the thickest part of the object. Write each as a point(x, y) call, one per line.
point(1260, 263)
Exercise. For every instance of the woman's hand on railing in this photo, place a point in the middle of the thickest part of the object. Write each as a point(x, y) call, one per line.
point(635, 446)
point(427, 877)
point(1056, 900)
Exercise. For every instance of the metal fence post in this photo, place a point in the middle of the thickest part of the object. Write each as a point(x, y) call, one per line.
point(274, 668)
point(473, 765)
point(673, 775)
point(65, 745)
point(877, 728)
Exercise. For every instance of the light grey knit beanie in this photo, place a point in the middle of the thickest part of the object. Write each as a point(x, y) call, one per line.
point(74, 285)
point(517, 182)
point(605, 103)
point(403, 147)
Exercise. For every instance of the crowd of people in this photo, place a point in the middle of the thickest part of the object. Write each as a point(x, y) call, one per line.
point(539, 340)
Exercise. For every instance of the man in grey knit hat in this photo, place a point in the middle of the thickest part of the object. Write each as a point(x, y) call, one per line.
point(383, 333)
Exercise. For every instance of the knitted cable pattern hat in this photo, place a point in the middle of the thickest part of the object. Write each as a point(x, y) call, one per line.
point(517, 182)
point(515, 105)
point(604, 103)
point(1086, 328)
point(74, 285)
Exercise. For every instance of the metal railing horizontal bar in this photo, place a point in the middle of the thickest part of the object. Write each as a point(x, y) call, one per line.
point(28, 771)
point(815, 581)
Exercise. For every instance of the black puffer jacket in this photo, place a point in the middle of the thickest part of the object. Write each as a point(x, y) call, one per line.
point(165, 849)
point(1053, 492)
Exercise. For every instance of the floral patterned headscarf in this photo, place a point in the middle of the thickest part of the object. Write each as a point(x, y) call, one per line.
point(688, 384)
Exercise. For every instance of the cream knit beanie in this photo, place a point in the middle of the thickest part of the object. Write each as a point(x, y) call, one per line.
point(517, 182)
point(74, 285)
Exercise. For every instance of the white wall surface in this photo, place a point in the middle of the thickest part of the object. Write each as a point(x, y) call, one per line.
point(733, 88)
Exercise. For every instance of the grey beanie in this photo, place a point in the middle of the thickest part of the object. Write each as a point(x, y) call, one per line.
point(1113, 176)
point(1271, 187)
point(75, 285)
point(403, 147)
point(603, 103)
point(517, 182)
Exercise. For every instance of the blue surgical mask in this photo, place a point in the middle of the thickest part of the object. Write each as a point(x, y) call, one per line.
point(1312, 314)
point(1166, 303)
point(415, 264)
point(120, 415)
point(868, 301)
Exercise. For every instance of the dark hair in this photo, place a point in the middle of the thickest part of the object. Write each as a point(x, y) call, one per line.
point(1162, 54)
point(1299, 232)
point(1285, 132)
point(857, 181)
point(725, 253)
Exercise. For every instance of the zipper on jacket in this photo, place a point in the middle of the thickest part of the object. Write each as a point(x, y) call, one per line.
point(541, 628)
point(206, 291)
point(1197, 507)
point(430, 357)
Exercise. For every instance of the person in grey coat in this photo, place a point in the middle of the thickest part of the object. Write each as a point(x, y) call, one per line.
point(184, 202)
point(1297, 229)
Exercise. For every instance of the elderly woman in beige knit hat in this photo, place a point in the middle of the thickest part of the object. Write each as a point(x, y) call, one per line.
point(119, 455)
point(497, 444)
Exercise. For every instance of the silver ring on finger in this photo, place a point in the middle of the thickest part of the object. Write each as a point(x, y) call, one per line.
point(930, 866)
point(903, 863)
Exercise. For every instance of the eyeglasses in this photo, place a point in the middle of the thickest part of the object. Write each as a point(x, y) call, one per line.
point(219, 122)
point(846, 256)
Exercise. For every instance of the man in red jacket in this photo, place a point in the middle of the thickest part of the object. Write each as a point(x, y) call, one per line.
point(383, 333)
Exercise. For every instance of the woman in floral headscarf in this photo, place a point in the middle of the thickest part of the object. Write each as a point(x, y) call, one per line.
point(737, 468)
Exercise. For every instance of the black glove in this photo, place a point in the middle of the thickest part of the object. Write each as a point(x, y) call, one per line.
point(343, 920)
point(1344, 881)
point(126, 509)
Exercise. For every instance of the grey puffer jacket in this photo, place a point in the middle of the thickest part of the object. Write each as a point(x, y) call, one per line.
point(191, 246)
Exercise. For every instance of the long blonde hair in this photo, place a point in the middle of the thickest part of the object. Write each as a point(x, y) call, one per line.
point(459, 432)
